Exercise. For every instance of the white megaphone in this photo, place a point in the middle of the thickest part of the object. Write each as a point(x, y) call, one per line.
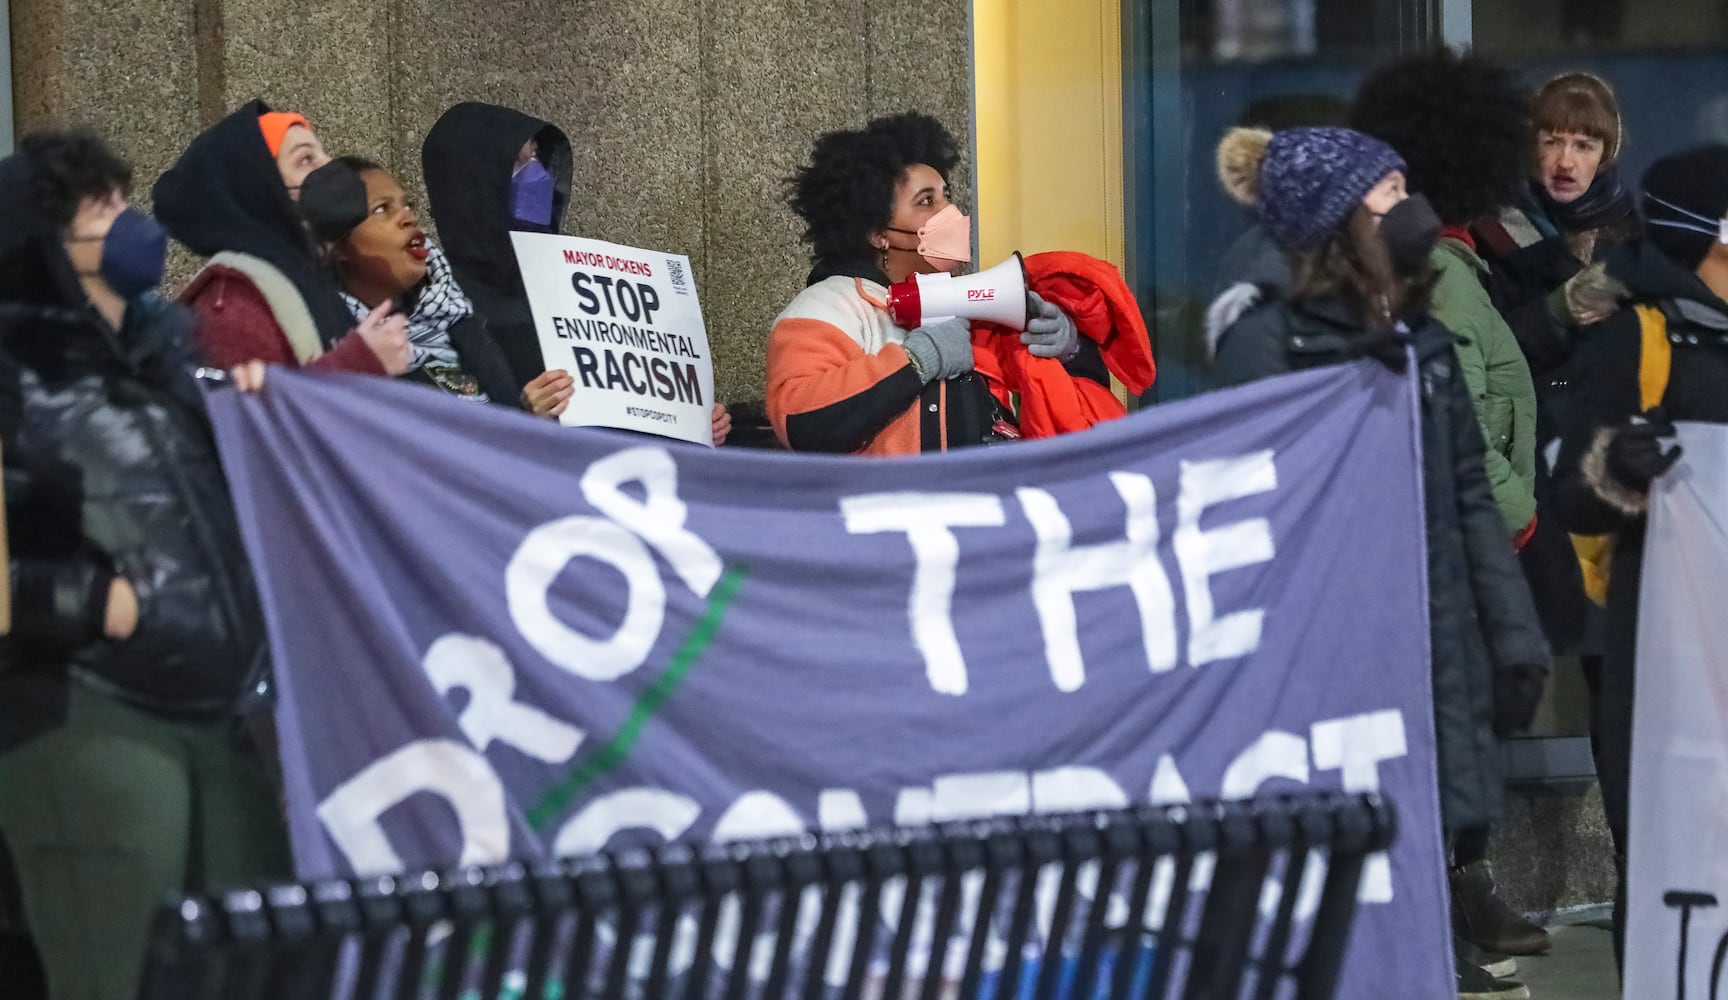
point(994, 296)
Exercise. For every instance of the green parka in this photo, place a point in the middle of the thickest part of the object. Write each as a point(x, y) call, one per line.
point(1497, 376)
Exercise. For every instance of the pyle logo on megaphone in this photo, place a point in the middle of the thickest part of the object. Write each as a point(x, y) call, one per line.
point(997, 295)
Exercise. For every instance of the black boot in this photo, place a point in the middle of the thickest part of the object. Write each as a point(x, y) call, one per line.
point(1481, 917)
point(1492, 962)
point(1476, 984)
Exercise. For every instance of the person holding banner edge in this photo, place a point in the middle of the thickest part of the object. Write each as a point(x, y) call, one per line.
point(266, 293)
point(491, 171)
point(138, 642)
point(1661, 359)
point(1359, 250)
point(841, 376)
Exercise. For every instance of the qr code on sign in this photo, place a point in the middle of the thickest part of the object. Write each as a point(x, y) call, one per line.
point(675, 273)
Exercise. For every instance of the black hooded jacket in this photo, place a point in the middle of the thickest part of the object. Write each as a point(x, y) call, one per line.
point(110, 469)
point(1590, 500)
point(226, 193)
point(469, 160)
point(1481, 619)
point(1609, 393)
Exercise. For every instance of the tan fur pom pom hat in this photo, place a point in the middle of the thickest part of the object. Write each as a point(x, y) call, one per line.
point(1303, 182)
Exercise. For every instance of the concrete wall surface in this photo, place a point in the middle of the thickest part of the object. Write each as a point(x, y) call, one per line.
point(685, 114)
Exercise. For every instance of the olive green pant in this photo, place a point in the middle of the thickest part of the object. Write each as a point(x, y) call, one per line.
point(115, 810)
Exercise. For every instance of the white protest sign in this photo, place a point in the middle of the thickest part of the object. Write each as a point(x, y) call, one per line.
point(625, 323)
point(1677, 878)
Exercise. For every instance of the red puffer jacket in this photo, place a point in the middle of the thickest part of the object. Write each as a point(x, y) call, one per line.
point(1053, 401)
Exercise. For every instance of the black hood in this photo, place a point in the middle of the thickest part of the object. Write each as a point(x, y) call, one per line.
point(1651, 274)
point(468, 161)
point(226, 194)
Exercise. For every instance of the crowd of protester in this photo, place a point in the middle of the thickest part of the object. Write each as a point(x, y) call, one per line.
point(1560, 317)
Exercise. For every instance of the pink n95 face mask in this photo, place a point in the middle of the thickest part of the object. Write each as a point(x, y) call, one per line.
point(945, 239)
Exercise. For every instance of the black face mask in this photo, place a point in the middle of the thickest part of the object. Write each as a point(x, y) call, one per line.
point(1411, 231)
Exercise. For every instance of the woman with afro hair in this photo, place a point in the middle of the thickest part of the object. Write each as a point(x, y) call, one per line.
point(841, 376)
point(1462, 124)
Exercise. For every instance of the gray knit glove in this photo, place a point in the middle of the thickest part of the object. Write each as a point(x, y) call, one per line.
point(940, 350)
point(1049, 331)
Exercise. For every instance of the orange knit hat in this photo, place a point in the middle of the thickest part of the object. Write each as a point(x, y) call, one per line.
point(275, 126)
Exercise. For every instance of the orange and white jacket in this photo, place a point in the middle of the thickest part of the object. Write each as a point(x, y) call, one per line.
point(839, 381)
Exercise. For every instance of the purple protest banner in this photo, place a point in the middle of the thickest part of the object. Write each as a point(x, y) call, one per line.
point(495, 637)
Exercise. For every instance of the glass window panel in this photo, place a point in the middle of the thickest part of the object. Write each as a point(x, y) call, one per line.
point(1668, 62)
point(1195, 68)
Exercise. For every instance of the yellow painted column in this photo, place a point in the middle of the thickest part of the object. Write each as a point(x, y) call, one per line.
point(1048, 127)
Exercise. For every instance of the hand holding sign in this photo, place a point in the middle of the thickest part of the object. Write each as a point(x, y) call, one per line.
point(721, 424)
point(625, 326)
point(549, 393)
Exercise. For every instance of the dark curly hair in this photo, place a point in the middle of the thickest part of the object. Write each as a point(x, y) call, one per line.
point(69, 166)
point(846, 191)
point(1462, 122)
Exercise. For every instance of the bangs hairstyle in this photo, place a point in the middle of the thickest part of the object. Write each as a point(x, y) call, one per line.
point(1583, 104)
point(846, 191)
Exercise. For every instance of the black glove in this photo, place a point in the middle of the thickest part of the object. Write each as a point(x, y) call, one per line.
point(1517, 691)
point(1636, 455)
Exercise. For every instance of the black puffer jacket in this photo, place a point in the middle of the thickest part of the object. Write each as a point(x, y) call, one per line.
point(111, 469)
point(1480, 616)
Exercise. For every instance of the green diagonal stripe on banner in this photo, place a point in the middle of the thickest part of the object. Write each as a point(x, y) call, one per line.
point(647, 703)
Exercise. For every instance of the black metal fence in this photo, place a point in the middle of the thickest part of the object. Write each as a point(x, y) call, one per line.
point(1075, 907)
